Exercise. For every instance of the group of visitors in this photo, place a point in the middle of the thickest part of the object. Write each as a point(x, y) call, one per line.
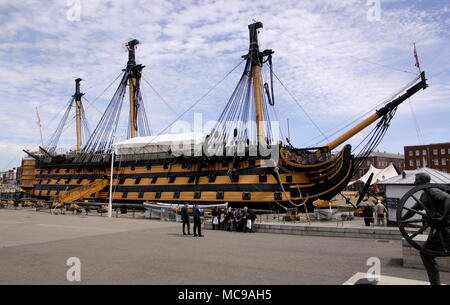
point(240, 220)
point(376, 209)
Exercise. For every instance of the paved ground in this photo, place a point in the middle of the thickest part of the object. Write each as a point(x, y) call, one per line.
point(34, 248)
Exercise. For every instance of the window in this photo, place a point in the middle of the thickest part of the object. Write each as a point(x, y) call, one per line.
point(425, 162)
point(448, 151)
point(417, 152)
point(435, 152)
point(122, 180)
point(442, 151)
point(424, 152)
point(124, 194)
point(191, 179)
point(197, 195)
point(277, 196)
point(79, 180)
point(138, 180)
point(410, 153)
point(154, 179)
point(444, 161)
point(141, 195)
point(211, 178)
point(246, 196)
point(68, 180)
point(176, 195)
point(220, 195)
point(172, 179)
point(262, 178)
point(158, 195)
point(133, 168)
point(289, 179)
point(436, 162)
point(418, 163)
point(149, 167)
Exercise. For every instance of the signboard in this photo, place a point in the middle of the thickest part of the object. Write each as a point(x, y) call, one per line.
point(392, 203)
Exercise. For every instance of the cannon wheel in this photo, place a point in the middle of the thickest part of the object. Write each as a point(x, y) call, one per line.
point(428, 214)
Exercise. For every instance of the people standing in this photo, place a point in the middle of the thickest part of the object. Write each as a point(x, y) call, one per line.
point(215, 218)
point(197, 220)
point(185, 219)
point(228, 220)
point(252, 217)
point(380, 211)
point(368, 214)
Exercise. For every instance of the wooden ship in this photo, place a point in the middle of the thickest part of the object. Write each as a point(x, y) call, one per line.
point(240, 172)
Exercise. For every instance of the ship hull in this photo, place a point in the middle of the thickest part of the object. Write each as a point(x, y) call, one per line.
point(199, 180)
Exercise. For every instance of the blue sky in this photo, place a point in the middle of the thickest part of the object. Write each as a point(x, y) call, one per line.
point(328, 53)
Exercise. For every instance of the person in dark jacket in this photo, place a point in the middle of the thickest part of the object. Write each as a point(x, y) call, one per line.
point(185, 219)
point(228, 220)
point(368, 214)
point(197, 220)
point(215, 218)
point(252, 217)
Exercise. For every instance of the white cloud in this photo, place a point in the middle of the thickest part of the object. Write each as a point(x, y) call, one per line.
point(326, 52)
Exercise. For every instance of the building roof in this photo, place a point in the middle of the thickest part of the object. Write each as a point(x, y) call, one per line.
point(428, 145)
point(385, 155)
point(410, 176)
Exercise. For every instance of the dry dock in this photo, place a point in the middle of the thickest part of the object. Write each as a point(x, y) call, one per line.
point(35, 246)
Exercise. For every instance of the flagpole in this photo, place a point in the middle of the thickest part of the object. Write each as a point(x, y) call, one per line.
point(417, 58)
point(40, 127)
point(110, 186)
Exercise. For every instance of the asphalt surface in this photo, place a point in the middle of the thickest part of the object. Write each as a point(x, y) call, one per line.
point(35, 246)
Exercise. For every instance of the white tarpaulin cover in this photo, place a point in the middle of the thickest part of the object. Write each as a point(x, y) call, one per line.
point(161, 143)
point(379, 174)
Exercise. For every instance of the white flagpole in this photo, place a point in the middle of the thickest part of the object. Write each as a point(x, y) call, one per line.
point(110, 186)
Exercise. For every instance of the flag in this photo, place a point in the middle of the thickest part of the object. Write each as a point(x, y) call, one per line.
point(417, 58)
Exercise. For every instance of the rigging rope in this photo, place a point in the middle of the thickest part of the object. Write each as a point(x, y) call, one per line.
point(301, 107)
point(196, 102)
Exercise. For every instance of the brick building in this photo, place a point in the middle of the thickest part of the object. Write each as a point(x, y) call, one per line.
point(436, 156)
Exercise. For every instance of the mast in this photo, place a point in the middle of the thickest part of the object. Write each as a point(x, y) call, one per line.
point(134, 75)
point(78, 96)
point(256, 59)
point(422, 84)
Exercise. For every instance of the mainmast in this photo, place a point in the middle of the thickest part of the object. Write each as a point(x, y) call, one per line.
point(257, 60)
point(77, 97)
point(134, 75)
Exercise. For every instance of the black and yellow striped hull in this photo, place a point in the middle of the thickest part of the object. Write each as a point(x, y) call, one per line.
point(201, 180)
